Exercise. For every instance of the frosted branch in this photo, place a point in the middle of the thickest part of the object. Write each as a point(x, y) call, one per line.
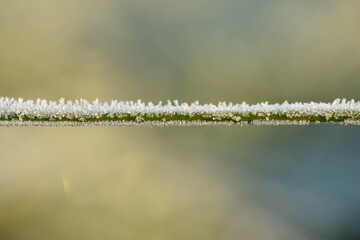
point(129, 113)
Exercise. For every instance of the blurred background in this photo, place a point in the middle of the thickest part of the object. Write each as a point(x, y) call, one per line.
point(255, 182)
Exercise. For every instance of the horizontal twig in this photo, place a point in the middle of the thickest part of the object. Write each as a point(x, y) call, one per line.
point(119, 113)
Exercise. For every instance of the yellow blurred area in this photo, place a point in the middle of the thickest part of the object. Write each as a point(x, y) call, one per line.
point(188, 49)
point(94, 183)
point(178, 183)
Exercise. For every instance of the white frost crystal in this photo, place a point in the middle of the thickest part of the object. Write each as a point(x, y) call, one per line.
point(119, 113)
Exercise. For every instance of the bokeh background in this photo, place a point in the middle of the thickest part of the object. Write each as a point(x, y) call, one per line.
point(255, 182)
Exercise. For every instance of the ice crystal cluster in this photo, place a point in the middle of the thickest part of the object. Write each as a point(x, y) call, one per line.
point(129, 113)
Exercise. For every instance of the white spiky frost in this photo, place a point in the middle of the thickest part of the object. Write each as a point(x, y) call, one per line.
point(116, 113)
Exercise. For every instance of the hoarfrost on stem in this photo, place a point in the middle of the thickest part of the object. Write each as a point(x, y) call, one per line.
point(137, 113)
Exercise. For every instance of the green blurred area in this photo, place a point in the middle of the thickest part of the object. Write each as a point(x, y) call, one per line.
point(180, 183)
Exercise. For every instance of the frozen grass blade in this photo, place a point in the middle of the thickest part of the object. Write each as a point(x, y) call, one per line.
point(118, 113)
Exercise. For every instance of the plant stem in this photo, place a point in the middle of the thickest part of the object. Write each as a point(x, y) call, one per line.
point(118, 113)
